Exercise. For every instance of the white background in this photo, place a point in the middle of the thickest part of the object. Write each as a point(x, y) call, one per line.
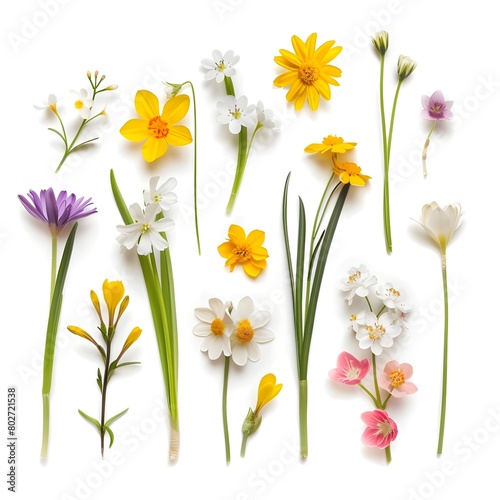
point(47, 47)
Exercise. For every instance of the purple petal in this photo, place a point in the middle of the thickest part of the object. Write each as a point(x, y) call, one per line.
point(51, 207)
point(31, 209)
point(436, 98)
point(425, 101)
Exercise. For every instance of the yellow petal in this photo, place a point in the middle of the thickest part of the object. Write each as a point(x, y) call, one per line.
point(311, 45)
point(285, 63)
point(132, 337)
point(261, 264)
point(179, 135)
point(135, 130)
point(331, 54)
point(113, 292)
point(175, 109)
point(237, 234)
point(315, 148)
point(291, 57)
point(299, 47)
point(312, 97)
point(154, 148)
point(295, 90)
point(256, 237)
point(301, 98)
point(323, 88)
point(331, 70)
point(345, 178)
point(251, 269)
point(286, 79)
point(356, 180)
point(323, 50)
point(146, 104)
point(226, 249)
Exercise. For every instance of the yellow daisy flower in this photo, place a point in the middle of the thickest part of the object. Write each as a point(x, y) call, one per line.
point(330, 144)
point(158, 130)
point(309, 74)
point(349, 173)
point(247, 251)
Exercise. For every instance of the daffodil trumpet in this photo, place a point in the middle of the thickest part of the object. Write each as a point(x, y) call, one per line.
point(161, 295)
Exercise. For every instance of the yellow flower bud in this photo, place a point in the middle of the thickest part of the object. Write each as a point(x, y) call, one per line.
point(96, 303)
point(113, 292)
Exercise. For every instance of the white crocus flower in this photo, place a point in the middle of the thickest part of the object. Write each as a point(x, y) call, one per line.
point(82, 104)
point(377, 333)
point(236, 113)
point(145, 232)
point(215, 327)
point(220, 66)
point(249, 331)
point(357, 282)
point(50, 103)
point(441, 222)
point(162, 195)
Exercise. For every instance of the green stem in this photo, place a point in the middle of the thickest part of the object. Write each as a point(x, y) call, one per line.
point(445, 359)
point(244, 444)
point(387, 209)
point(104, 390)
point(53, 270)
point(375, 381)
point(303, 418)
point(224, 410)
point(46, 425)
point(372, 397)
point(388, 457)
point(240, 167)
point(369, 303)
point(384, 404)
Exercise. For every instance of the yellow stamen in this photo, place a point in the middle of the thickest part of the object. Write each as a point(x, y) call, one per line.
point(217, 326)
point(242, 254)
point(145, 228)
point(308, 73)
point(394, 292)
point(375, 333)
point(354, 277)
point(244, 332)
point(397, 378)
point(158, 127)
point(79, 104)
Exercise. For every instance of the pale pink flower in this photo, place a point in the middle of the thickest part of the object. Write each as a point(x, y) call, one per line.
point(350, 370)
point(381, 430)
point(435, 107)
point(394, 379)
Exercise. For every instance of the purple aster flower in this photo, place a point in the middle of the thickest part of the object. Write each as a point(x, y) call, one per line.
point(56, 212)
point(435, 107)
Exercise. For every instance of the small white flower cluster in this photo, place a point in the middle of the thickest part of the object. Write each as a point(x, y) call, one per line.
point(232, 331)
point(145, 232)
point(375, 330)
point(235, 112)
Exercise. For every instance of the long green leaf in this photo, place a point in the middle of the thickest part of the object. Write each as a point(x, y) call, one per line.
point(111, 435)
point(313, 256)
point(91, 420)
point(299, 274)
point(117, 416)
point(318, 277)
point(115, 367)
point(55, 311)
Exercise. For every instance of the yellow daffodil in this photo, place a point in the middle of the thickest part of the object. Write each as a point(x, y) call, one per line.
point(158, 130)
point(309, 75)
point(268, 390)
point(331, 144)
point(349, 173)
point(112, 292)
point(247, 251)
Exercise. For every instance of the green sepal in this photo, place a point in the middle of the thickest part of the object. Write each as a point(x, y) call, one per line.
point(99, 379)
point(91, 420)
point(112, 419)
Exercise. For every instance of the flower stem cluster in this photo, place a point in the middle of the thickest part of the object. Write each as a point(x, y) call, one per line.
point(113, 293)
point(405, 68)
point(375, 331)
point(83, 103)
point(236, 113)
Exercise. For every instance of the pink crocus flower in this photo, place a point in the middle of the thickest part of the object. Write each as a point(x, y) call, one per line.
point(381, 430)
point(435, 107)
point(350, 370)
point(394, 379)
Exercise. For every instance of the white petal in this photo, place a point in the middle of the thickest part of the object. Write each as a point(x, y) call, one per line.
point(263, 335)
point(234, 126)
point(259, 318)
point(377, 348)
point(217, 307)
point(245, 308)
point(202, 329)
point(239, 354)
point(253, 351)
point(144, 246)
point(205, 314)
point(136, 212)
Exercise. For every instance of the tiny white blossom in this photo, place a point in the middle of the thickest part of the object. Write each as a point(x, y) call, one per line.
point(220, 66)
point(377, 333)
point(393, 298)
point(145, 232)
point(265, 116)
point(82, 104)
point(236, 113)
point(50, 103)
point(163, 194)
point(357, 282)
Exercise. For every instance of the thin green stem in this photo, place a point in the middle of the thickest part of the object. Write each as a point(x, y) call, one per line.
point(388, 456)
point(53, 269)
point(224, 410)
point(240, 167)
point(372, 397)
point(382, 309)
point(304, 448)
point(369, 303)
point(426, 145)
point(387, 208)
point(244, 444)
point(445, 359)
point(104, 390)
point(384, 404)
point(375, 381)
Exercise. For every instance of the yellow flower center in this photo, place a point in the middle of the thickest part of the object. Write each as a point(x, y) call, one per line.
point(397, 378)
point(353, 317)
point(79, 104)
point(354, 277)
point(236, 114)
point(158, 127)
point(157, 198)
point(308, 73)
point(217, 326)
point(244, 332)
point(221, 66)
point(394, 292)
point(145, 228)
point(350, 167)
point(375, 332)
point(332, 140)
point(243, 254)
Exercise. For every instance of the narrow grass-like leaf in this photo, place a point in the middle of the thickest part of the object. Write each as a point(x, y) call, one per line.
point(318, 277)
point(111, 370)
point(116, 417)
point(313, 256)
point(111, 435)
point(91, 420)
point(84, 143)
point(299, 274)
point(99, 379)
point(58, 133)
